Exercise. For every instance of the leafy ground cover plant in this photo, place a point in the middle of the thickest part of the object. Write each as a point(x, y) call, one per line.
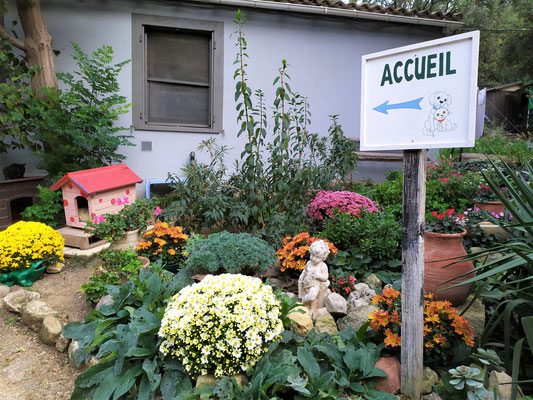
point(123, 336)
point(163, 242)
point(444, 328)
point(319, 366)
point(221, 325)
point(48, 210)
point(113, 265)
point(24, 242)
point(295, 251)
point(230, 252)
point(131, 217)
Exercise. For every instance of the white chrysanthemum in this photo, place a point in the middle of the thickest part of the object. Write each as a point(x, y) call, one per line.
point(221, 325)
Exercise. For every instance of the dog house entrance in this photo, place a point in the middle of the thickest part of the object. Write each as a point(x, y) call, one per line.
point(83, 209)
point(17, 206)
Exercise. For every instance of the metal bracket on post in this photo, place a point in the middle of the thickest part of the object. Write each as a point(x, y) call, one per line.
point(414, 204)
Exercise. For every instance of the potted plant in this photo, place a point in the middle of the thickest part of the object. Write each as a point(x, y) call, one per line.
point(487, 200)
point(443, 242)
point(124, 228)
point(26, 248)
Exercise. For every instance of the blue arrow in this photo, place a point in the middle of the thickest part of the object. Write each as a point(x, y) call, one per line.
point(382, 108)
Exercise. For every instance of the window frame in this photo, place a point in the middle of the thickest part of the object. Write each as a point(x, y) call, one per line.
point(140, 78)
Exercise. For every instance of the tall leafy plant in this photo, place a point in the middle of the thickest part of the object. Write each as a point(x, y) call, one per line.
point(16, 99)
point(77, 125)
point(260, 196)
point(507, 282)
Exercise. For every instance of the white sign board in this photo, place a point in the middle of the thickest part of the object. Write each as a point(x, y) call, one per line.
point(421, 96)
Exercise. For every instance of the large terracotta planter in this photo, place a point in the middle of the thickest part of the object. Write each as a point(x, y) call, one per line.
point(490, 206)
point(438, 249)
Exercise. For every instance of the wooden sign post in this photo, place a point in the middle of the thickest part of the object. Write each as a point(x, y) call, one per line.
point(413, 98)
point(414, 204)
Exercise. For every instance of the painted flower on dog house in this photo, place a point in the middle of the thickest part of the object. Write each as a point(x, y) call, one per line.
point(93, 192)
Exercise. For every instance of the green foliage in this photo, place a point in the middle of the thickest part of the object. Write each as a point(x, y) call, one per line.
point(123, 336)
point(16, 99)
point(505, 282)
point(130, 217)
point(77, 124)
point(114, 265)
point(97, 285)
point(316, 367)
point(233, 253)
point(260, 196)
point(375, 235)
point(49, 209)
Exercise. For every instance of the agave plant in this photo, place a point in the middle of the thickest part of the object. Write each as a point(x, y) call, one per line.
point(507, 282)
point(489, 358)
point(464, 376)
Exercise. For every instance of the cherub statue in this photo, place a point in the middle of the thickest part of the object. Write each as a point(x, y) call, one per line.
point(313, 283)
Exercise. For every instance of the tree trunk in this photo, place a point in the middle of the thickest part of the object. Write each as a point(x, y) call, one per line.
point(37, 45)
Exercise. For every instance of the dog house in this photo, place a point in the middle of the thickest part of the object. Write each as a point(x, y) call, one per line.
point(97, 191)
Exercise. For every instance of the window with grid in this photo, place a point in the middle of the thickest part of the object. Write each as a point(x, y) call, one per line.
point(177, 74)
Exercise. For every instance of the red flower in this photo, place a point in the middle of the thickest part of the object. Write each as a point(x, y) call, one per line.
point(450, 211)
point(434, 213)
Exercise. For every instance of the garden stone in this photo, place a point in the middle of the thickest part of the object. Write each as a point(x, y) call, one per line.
point(50, 330)
point(34, 313)
point(390, 383)
point(500, 382)
point(475, 315)
point(325, 323)
point(373, 281)
point(336, 304)
point(429, 378)
point(242, 379)
point(16, 300)
point(361, 296)
point(106, 300)
point(62, 343)
point(356, 317)
point(302, 322)
point(206, 380)
point(72, 348)
point(431, 396)
point(4, 291)
point(55, 269)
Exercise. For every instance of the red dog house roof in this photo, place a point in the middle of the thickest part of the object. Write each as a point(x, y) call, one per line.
point(100, 179)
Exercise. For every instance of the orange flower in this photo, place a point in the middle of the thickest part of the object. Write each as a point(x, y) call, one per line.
point(392, 339)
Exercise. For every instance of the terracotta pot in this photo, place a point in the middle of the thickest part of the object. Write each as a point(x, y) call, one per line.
point(490, 206)
point(391, 383)
point(438, 249)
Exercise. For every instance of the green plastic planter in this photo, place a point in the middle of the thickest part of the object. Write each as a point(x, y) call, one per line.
point(24, 277)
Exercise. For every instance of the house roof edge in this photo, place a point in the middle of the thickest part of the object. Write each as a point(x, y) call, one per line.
point(332, 11)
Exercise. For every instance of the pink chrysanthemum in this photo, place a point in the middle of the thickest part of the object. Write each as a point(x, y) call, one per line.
point(327, 202)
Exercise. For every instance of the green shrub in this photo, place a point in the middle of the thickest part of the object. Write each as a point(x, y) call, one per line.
point(375, 235)
point(49, 209)
point(77, 126)
point(97, 285)
point(231, 252)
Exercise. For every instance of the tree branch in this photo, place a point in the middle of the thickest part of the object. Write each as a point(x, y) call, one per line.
point(14, 41)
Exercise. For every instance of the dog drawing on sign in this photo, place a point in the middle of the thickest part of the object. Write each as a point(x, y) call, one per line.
point(437, 120)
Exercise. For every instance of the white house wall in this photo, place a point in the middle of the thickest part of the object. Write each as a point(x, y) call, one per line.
point(324, 56)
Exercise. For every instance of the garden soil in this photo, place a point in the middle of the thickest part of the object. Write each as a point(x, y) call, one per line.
point(29, 369)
